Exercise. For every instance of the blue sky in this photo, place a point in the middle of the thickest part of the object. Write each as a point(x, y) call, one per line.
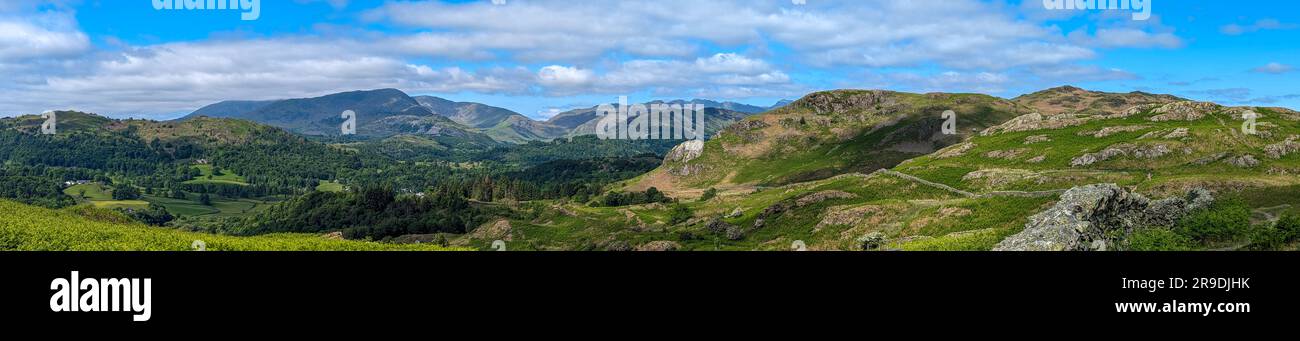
point(124, 58)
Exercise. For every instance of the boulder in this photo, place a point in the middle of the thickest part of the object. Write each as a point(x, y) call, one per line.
point(735, 233)
point(1284, 148)
point(872, 241)
point(1244, 161)
point(1097, 217)
point(736, 213)
point(619, 246)
point(661, 245)
point(717, 226)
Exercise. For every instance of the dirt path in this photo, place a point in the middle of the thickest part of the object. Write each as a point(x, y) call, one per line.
point(927, 182)
point(1267, 214)
point(993, 194)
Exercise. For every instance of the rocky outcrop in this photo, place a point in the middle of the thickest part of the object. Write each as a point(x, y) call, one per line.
point(872, 241)
point(1098, 218)
point(1177, 133)
point(1037, 139)
point(686, 151)
point(1006, 154)
point(954, 151)
point(1091, 158)
point(619, 246)
point(1108, 131)
point(736, 213)
point(1183, 111)
point(717, 226)
point(1243, 161)
point(1036, 121)
point(823, 196)
point(830, 102)
point(1146, 151)
point(682, 155)
point(660, 245)
point(1279, 150)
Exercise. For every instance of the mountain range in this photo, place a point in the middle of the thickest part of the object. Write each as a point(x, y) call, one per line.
point(385, 113)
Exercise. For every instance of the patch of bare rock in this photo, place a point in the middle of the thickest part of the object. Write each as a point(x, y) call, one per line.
point(1108, 131)
point(683, 154)
point(1036, 121)
point(660, 245)
point(1099, 218)
point(1037, 139)
point(1006, 154)
point(954, 151)
point(1284, 148)
point(1151, 151)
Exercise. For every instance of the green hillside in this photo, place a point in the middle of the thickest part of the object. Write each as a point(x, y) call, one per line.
point(1199, 144)
point(779, 181)
point(827, 134)
point(29, 228)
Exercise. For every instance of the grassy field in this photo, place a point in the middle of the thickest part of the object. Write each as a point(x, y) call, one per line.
point(330, 186)
point(226, 177)
point(83, 228)
point(101, 197)
point(92, 191)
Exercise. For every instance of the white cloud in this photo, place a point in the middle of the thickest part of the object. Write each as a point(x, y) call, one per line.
point(565, 77)
point(1258, 25)
point(40, 35)
point(180, 77)
point(564, 48)
point(1274, 68)
point(1125, 37)
point(963, 34)
point(336, 4)
point(713, 73)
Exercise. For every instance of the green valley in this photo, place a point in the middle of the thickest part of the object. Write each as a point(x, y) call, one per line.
point(835, 170)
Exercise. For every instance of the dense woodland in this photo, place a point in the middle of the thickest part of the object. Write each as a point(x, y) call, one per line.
point(372, 212)
point(394, 188)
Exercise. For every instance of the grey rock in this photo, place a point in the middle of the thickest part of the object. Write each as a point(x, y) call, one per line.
point(619, 246)
point(1098, 217)
point(735, 233)
point(1244, 161)
point(661, 245)
point(872, 241)
point(717, 226)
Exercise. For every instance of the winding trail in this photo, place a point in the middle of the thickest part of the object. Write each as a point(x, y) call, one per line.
point(905, 176)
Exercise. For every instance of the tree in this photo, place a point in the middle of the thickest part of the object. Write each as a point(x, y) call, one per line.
point(155, 215)
point(205, 200)
point(680, 214)
point(126, 192)
point(177, 193)
point(709, 194)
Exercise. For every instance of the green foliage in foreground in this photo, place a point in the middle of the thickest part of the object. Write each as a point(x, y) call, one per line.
point(1225, 224)
point(83, 228)
point(1158, 239)
point(1224, 221)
